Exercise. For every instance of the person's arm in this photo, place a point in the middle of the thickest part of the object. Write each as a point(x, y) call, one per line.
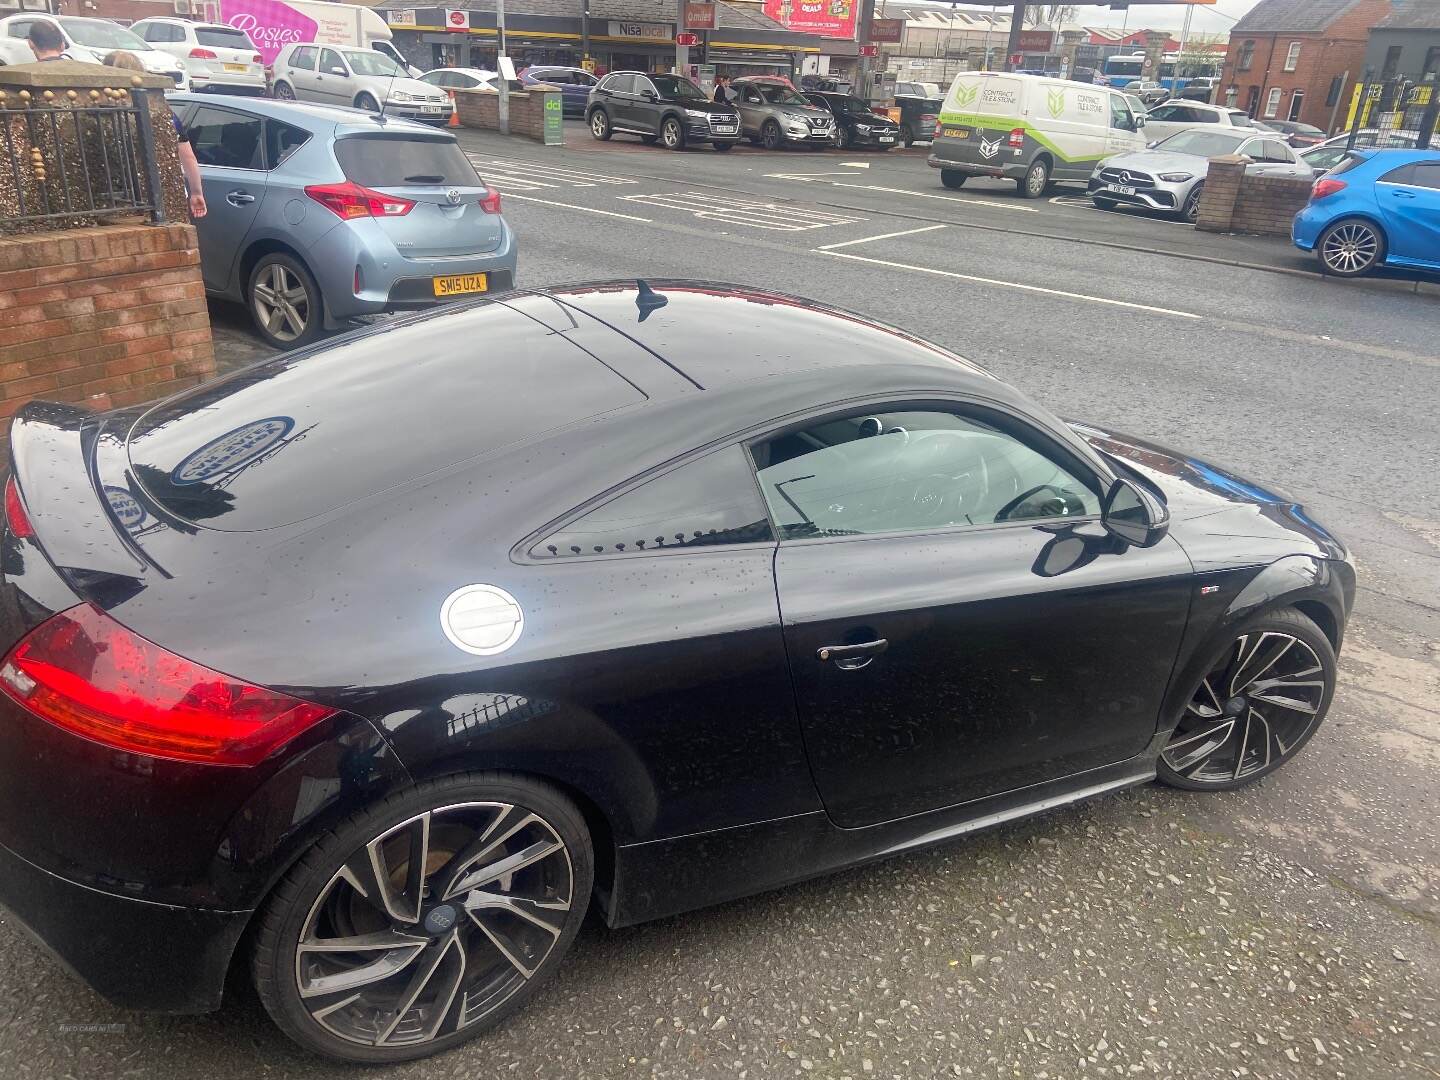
point(191, 168)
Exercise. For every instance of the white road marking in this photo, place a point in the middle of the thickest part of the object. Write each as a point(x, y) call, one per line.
point(750, 211)
point(815, 178)
point(572, 206)
point(1009, 284)
point(512, 175)
point(882, 236)
point(1082, 202)
point(856, 164)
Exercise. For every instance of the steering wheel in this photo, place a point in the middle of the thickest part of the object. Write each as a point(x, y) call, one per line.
point(1059, 506)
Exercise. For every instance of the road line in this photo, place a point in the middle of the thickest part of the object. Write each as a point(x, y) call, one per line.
point(572, 206)
point(810, 178)
point(882, 236)
point(1010, 284)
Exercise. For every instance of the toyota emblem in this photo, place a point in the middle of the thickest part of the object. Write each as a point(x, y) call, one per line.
point(453, 196)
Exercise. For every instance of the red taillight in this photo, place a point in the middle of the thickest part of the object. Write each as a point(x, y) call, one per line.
point(938, 127)
point(1325, 187)
point(15, 515)
point(257, 59)
point(83, 671)
point(1017, 138)
point(490, 202)
point(350, 200)
point(202, 54)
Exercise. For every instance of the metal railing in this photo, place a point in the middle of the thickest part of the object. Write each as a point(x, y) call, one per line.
point(1393, 114)
point(77, 157)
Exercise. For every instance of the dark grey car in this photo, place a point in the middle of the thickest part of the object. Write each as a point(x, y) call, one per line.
point(660, 108)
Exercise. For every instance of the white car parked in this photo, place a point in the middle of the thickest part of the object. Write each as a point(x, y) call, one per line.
point(220, 59)
point(461, 78)
point(91, 40)
point(360, 78)
point(1176, 116)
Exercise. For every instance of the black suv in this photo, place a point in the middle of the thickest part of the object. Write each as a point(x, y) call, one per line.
point(660, 107)
point(856, 123)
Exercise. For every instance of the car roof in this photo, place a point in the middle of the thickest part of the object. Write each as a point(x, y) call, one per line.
point(298, 112)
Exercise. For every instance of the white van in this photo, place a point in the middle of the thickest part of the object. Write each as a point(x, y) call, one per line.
point(1030, 129)
point(273, 24)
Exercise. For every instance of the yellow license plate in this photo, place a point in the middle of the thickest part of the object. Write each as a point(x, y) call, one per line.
point(950, 132)
point(242, 68)
point(460, 284)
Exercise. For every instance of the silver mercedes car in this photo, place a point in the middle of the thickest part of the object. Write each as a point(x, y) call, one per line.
point(1170, 175)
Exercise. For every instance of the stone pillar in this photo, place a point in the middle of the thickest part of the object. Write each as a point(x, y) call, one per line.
point(1070, 41)
point(1154, 52)
point(1222, 191)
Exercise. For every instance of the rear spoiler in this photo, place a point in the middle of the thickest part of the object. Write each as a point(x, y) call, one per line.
point(52, 451)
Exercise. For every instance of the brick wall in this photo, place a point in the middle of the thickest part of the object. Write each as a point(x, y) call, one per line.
point(481, 109)
point(1324, 56)
point(112, 316)
point(1235, 201)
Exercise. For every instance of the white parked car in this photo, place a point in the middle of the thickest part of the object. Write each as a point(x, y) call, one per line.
point(91, 40)
point(1176, 116)
point(361, 78)
point(461, 79)
point(220, 59)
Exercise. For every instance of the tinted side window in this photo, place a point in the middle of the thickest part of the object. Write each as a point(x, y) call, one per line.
point(620, 84)
point(303, 57)
point(282, 140)
point(1166, 112)
point(916, 471)
point(1120, 117)
point(1427, 174)
point(226, 139)
point(1402, 175)
point(330, 60)
point(644, 86)
point(705, 502)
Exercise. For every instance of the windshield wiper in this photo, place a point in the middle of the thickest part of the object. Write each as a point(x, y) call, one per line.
point(425, 178)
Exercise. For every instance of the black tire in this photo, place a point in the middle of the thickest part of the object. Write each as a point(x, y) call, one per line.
point(1363, 239)
point(771, 137)
point(672, 134)
point(367, 103)
point(952, 179)
point(600, 125)
point(721, 146)
point(1191, 210)
point(649, 140)
point(1036, 180)
point(304, 308)
point(284, 91)
point(842, 137)
point(287, 913)
point(907, 136)
point(1188, 740)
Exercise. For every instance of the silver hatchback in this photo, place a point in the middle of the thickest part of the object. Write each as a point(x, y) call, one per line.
point(361, 78)
point(317, 215)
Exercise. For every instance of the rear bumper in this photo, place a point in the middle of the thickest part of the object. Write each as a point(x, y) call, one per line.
point(136, 954)
point(1015, 171)
point(1309, 223)
point(414, 293)
point(219, 83)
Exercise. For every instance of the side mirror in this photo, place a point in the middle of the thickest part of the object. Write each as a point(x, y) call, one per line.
point(649, 95)
point(337, 71)
point(1152, 144)
point(1139, 122)
point(1132, 514)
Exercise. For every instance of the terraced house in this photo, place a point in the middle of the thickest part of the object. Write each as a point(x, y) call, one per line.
point(1296, 59)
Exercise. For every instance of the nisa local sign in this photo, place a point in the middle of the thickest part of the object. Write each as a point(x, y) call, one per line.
point(232, 451)
point(627, 29)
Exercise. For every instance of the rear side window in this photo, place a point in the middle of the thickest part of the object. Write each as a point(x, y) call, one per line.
point(620, 84)
point(710, 501)
point(225, 139)
point(1427, 174)
point(282, 140)
point(1351, 160)
point(395, 162)
point(304, 58)
point(219, 37)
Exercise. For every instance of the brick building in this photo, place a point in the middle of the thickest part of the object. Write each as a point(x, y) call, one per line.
point(1296, 59)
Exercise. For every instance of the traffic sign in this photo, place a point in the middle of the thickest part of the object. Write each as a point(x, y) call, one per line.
point(687, 39)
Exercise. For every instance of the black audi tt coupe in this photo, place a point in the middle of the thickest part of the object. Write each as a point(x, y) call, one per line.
point(372, 667)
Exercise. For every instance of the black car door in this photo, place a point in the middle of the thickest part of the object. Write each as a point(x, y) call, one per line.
point(646, 107)
point(951, 635)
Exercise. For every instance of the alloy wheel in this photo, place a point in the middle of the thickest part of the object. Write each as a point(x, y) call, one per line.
point(1192, 204)
point(1036, 179)
point(1350, 248)
point(599, 125)
point(282, 303)
point(673, 136)
point(1255, 707)
point(283, 91)
point(770, 136)
point(434, 924)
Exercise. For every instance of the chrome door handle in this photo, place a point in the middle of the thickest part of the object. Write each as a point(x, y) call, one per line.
point(852, 657)
point(239, 198)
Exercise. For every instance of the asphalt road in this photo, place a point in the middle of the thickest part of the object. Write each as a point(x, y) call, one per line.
point(1291, 930)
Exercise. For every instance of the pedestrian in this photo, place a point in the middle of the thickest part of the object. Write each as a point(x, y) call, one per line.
point(723, 94)
point(190, 167)
point(47, 43)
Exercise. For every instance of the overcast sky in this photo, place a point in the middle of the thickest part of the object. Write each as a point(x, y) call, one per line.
point(1209, 19)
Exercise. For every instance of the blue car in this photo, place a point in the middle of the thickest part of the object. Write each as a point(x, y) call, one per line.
point(575, 85)
point(1375, 208)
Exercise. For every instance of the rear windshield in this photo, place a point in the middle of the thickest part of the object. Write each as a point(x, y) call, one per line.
point(220, 37)
point(284, 441)
point(381, 162)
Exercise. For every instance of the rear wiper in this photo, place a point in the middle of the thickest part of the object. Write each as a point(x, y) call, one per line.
point(425, 178)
